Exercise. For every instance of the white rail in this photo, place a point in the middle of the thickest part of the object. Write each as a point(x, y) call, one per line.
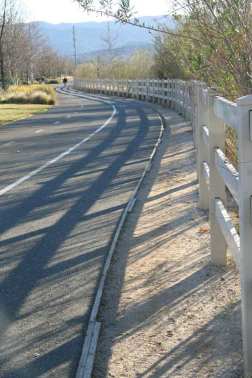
point(229, 231)
point(174, 93)
point(209, 113)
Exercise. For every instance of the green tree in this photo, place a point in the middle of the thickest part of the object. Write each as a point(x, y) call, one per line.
point(215, 39)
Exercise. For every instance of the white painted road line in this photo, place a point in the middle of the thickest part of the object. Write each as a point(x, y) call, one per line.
point(67, 152)
point(68, 116)
point(39, 131)
point(56, 123)
point(8, 144)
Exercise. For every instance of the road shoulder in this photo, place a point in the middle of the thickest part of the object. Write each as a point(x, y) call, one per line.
point(16, 112)
point(166, 311)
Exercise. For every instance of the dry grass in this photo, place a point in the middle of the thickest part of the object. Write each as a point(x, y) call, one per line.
point(29, 94)
point(13, 112)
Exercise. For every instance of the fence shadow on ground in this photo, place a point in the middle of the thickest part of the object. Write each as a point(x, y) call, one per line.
point(207, 344)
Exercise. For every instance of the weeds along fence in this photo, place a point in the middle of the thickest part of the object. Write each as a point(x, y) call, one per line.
point(208, 114)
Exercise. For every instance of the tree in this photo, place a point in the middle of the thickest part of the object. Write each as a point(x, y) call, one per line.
point(8, 23)
point(109, 40)
point(123, 13)
point(216, 37)
point(136, 66)
point(226, 27)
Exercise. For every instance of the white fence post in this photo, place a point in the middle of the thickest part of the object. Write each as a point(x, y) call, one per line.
point(245, 192)
point(128, 87)
point(164, 86)
point(195, 112)
point(171, 94)
point(151, 90)
point(159, 92)
point(137, 89)
point(117, 85)
point(217, 186)
point(148, 90)
point(176, 95)
point(202, 152)
point(133, 87)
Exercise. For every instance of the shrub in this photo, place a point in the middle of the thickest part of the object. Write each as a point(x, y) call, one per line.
point(53, 81)
point(40, 97)
point(15, 98)
point(32, 94)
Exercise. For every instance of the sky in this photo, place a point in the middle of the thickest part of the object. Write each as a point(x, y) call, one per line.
point(56, 11)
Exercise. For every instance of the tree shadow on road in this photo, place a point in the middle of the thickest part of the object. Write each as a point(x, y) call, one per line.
point(50, 273)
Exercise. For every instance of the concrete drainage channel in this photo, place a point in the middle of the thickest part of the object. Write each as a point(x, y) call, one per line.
point(92, 335)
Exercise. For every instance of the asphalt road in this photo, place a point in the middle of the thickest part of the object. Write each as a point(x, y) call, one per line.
point(59, 208)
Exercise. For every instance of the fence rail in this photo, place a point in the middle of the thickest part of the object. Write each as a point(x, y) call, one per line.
point(209, 114)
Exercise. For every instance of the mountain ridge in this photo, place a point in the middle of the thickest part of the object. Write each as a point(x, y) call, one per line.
point(89, 36)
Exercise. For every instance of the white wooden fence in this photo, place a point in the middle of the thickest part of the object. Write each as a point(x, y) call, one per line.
point(173, 93)
point(209, 113)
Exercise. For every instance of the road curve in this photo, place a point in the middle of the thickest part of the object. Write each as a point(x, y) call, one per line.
point(57, 224)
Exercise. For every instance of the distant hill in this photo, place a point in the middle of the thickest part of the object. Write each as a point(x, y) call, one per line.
point(89, 41)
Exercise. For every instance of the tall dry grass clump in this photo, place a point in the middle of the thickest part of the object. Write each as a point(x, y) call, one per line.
point(29, 94)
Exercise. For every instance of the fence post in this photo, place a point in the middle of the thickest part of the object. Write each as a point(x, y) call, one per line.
point(187, 91)
point(183, 100)
point(123, 87)
point(117, 85)
point(173, 94)
point(176, 96)
point(201, 150)
point(137, 89)
point(159, 92)
point(150, 90)
point(164, 86)
point(193, 101)
point(127, 89)
point(147, 89)
point(245, 192)
point(179, 97)
point(216, 129)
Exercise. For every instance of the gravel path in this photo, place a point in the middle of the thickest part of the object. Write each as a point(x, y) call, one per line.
point(166, 311)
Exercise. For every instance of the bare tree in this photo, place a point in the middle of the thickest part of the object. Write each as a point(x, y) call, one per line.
point(109, 40)
point(8, 19)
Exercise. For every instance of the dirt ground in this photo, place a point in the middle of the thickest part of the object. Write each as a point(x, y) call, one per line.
point(166, 311)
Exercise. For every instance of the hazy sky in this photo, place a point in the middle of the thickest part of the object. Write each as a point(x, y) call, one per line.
point(56, 11)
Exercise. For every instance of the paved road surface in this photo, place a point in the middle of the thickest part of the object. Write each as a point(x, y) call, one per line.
point(56, 226)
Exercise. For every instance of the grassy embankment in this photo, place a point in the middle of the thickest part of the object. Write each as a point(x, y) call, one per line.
point(12, 112)
point(22, 101)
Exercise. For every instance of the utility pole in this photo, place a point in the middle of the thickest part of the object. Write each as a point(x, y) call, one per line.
point(74, 42)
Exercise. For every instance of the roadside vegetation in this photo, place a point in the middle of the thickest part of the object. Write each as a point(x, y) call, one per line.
point(13, 112)
point(25, 53)
point(24, 100)
point(28, 94)
point(111, 66)
point(211, 40)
